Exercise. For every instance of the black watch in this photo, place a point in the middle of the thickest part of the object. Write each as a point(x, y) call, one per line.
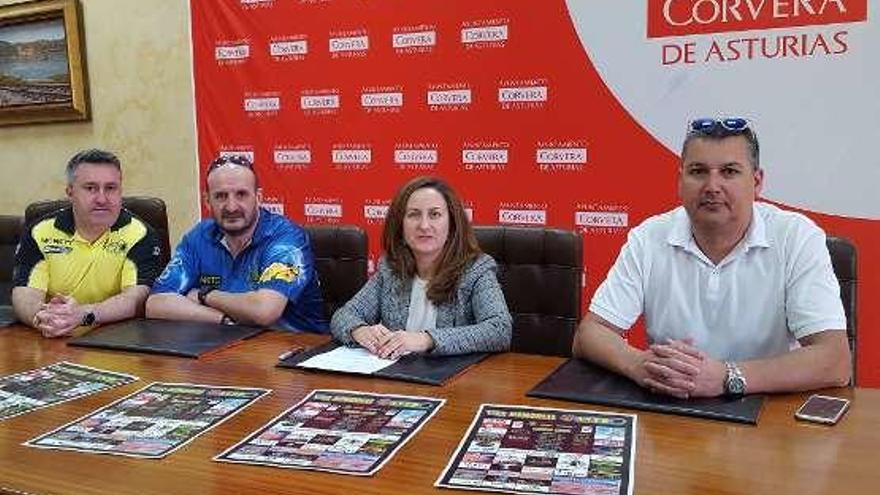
point(203, 293)
point(735, 381)
point(89, 319)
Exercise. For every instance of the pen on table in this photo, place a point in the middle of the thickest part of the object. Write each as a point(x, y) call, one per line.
point(286, 354)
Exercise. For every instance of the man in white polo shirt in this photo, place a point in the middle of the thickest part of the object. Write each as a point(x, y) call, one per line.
point(738, 296)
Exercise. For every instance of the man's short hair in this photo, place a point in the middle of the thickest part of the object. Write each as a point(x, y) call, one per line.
point(93, 155)
point(718, 129)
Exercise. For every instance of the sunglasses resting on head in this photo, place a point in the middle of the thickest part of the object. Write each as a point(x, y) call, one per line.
point(229, 160)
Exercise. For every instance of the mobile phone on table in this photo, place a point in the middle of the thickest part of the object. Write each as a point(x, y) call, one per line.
point(293, 351)
point(822, 409)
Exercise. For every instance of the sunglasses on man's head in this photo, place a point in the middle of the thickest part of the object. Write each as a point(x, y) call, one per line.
point(239, 160)
point(710, 126)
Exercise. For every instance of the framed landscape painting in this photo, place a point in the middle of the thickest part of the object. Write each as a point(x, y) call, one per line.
point(42, 69)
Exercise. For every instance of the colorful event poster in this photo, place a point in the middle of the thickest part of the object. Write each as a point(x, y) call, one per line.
point(152, 422)
point(339, 431)
point(53, 384)
point(517, 449)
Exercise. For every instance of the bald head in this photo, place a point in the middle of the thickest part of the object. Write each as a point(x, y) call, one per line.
point(231, 175)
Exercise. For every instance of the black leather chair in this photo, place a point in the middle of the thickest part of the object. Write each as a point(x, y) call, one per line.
point(341, 261)
point(10, 232)
point(540, 272)
point(150, 210)
point(843, 260)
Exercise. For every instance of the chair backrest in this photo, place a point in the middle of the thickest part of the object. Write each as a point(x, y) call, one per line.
point(150, 210)
point(540, 272)
point(341, 261)
point(10, 232)
point(843, 260)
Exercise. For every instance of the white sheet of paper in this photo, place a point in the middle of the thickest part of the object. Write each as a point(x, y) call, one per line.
point(348, 359)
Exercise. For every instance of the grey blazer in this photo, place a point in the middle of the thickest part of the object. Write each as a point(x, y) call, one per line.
point(475, 320)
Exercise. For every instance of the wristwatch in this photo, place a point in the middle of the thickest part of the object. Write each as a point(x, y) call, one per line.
point(203, 293)
point(735, 381)
point(89, 319)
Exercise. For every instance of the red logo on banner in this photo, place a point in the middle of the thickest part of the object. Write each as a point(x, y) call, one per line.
point(416, 156)
point(322, 210)
point(685, 17)
point(292, 157)
point(375, 211)
point(561, 156)
point(351, 156)
point(485, 33)
point(242, 151)
point(349, 44)
point(291, 47)
point(518, 213)
point(382, 99)
point(256, 4)
point(601, 218)
point(274, 205)
point(414, 39)
point(232, 51)
point(485, 156)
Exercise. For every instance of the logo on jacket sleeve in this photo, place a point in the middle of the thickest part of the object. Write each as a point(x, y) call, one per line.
point(279, 271)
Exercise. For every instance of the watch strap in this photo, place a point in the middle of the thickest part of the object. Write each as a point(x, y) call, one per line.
point(89, 319)
point(735, 380)
point(203, 294)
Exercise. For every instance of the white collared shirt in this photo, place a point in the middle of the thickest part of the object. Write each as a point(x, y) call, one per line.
point(775, 287)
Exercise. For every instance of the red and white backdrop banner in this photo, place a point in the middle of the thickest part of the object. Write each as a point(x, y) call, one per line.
point(566, 114)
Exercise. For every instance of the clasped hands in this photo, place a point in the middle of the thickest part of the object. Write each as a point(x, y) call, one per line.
point(59, 316)
point(388, 344)
point(679, 369)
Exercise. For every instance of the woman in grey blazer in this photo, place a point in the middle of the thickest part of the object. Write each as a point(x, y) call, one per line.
point(434, 290)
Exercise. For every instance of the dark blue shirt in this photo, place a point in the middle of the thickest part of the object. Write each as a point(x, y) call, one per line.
point(279, 257)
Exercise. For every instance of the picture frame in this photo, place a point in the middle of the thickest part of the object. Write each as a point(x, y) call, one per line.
point(42, 63)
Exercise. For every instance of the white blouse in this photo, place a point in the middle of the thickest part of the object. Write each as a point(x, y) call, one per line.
point(422, 312)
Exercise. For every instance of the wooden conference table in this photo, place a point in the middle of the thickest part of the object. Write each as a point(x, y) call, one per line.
point(675, 455)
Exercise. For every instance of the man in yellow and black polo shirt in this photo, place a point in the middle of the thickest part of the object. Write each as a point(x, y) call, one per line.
point(90, 263)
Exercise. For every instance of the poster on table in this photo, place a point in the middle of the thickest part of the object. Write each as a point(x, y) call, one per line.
point(338, 431)
point(53, 384)
point(518, 449)
point(152, 422)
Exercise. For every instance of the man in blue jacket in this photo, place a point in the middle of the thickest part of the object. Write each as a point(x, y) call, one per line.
point(245, 265)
